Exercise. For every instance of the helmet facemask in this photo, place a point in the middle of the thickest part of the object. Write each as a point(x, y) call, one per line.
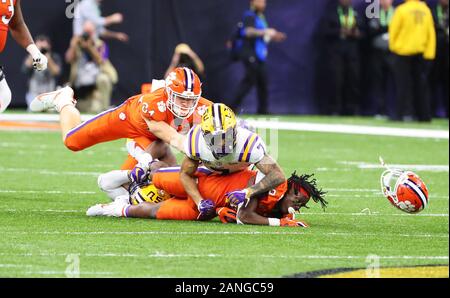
point(390, 181)
point(221, 142)
point(174, 103)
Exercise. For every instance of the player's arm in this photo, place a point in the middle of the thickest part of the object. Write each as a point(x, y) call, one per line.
point(248, 215)
point(187, 178)
point(166, 133)
point(274, 176)
point(22, 36)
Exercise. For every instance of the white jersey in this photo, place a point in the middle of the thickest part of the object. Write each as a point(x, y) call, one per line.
point(250, 149)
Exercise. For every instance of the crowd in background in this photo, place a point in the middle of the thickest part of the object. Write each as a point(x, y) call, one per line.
point(415, 77)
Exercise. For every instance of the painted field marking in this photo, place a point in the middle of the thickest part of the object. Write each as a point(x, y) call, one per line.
point(172, 255)
point(281, 125)
point(48, 172)
point(411, 167)
point(223, 233)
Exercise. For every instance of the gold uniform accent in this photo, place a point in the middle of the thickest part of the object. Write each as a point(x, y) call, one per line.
point(151, 194)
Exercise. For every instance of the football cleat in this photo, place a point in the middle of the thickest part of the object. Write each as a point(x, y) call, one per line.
point(405, 190)
point(53, 100)
point(183, 88)
point(114, 209)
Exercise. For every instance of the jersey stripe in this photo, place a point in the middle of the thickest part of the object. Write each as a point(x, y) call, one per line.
point(194, 142)
point(251, 149)
point(245, 154)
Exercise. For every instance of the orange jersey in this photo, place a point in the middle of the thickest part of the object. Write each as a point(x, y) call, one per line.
point(153, 107)
point(7, 8)
point(215, 187)
point(126, 122)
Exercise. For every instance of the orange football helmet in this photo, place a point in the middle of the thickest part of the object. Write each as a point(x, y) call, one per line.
point(183, 89)
point(405, 190)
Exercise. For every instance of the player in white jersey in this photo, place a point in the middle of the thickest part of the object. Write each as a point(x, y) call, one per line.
point(222, 146)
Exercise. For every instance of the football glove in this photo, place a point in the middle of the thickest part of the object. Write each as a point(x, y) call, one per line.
point(206, 209)
point(40, 63)
point(39, 60)
point(226, 215)
point(138, 175)
point(236, 198)
point(287, 222)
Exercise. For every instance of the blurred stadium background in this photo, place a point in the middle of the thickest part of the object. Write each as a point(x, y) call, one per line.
point(298, 82)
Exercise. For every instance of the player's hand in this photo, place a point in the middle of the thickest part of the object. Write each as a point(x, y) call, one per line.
point(138, 175)
point(40, 62)
point(287, 222)
point(236, 198)
point(135, 193)
point(226, 215)
point(206, 209)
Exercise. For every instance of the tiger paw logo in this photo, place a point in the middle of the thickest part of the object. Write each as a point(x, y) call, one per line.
point(201, 110)
point(161, 106)
point(407, 206)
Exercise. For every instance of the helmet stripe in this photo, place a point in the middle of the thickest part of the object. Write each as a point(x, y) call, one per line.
point(188, 78)
point(418, 191)
point(217, 117)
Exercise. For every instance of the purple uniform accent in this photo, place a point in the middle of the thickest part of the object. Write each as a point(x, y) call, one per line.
point(197, 138)
point(91, 120)
point(243, 149)
point(126, 211)
point(190, 138)
point(251, 148)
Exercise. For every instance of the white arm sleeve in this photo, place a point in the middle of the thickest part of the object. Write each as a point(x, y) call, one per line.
point(144, 158)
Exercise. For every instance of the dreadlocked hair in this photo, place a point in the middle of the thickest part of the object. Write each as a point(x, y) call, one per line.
point(309, 184)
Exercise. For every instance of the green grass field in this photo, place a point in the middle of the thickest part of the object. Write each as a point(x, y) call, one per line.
point(45, 191)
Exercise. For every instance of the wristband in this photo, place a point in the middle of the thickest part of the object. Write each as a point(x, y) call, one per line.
point(33, 50)
point(274, 222)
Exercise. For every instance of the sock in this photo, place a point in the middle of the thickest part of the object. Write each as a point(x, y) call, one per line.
point(5, 95)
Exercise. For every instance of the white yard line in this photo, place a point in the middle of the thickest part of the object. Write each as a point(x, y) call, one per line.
point(411, 167)
point(178, 255)
point(50, 192)
point(48, 172)
point(223, 233)
point(281, 125)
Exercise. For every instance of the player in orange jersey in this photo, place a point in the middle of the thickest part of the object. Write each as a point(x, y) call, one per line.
point(11, 19)
point(275, 208)
point(145, 118)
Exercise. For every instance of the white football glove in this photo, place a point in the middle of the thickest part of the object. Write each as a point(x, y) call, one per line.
point(40, 61)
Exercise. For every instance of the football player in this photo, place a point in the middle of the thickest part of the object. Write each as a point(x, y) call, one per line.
point(222, 146)
point(161, 115)
point(276, 207)
point(11, 19)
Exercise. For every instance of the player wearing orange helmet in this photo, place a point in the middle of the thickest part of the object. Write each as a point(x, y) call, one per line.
point(171, 109)
point(11, 19)
point(276, 207)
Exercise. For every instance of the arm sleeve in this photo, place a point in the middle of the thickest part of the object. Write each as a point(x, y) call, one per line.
point(394, 29)
point(430, 50)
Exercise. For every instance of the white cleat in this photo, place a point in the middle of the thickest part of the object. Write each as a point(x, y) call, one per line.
point(114, 209)
point(53, 100)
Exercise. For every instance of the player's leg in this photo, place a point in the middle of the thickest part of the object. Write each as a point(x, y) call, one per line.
point(177, 209)
point(63, 101)
point(168, 179)
point(107, 126)
point(113, 184)
point(5, 92)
